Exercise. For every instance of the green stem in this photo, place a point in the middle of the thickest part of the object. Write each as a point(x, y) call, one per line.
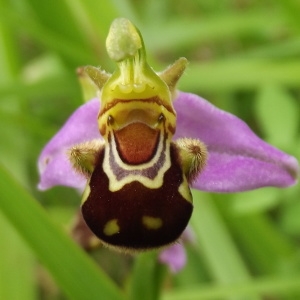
point(147, 277)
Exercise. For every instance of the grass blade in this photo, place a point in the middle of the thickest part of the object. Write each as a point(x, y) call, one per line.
point(77, 276)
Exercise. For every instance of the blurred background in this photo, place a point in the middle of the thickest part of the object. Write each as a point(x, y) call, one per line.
point(244, 57)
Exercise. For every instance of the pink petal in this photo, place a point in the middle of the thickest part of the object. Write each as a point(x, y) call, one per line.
point(238, 159)
point(54, 166)
point(174, 257)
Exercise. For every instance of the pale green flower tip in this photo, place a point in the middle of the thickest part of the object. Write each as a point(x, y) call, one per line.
point(123, 40)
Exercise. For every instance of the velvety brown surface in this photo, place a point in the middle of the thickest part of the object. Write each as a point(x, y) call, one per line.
point(134, 201)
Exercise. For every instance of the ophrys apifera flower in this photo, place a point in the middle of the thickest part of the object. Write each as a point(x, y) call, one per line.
point(141, 147)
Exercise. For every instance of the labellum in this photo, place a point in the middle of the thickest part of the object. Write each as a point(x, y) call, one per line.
point(137, 196)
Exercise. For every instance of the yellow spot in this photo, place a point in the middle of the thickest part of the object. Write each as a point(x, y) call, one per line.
point(151, 222)
point(185, 191)
point(111, 227)
point(94, 242)
point(86, 192)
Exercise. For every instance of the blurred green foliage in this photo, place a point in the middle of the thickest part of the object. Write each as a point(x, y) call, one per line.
point(244, 57)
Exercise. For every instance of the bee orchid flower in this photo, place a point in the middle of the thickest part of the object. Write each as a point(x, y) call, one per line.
point(136, 152)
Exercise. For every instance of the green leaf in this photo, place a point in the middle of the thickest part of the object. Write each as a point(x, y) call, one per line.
point(278, 115)
point(273, 286)
point(255, 201)
point(147, 277)
point(220, 26)
point(240, 74)
point(73, 271)
point(221, 254)
point(266, 248)
point(290, 221)
point(17, 265)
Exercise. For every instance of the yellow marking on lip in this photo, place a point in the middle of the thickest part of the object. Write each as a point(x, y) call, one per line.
point(111, 227)
point(151, 222)
point(86, 192)
point(152, 183)
point(185, 191)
